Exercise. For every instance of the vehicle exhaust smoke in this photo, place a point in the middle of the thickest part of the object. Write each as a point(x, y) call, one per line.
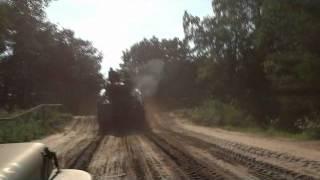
point(149, 79)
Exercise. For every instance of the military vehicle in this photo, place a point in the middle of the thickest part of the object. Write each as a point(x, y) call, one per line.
point(121, 107)
point(34, 161)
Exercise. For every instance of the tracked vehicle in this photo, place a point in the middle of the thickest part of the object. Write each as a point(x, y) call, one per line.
point(121, 108)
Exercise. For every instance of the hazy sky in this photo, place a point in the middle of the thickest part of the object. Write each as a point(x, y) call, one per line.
point(114, 25)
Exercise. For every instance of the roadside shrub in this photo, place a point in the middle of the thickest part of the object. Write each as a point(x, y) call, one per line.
point(227, 116)
point(216, 113)
point(310, 125)
point(33, 126)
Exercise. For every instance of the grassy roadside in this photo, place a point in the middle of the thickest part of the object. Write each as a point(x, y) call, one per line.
point(4, 114)
point(33, 126)
point(268, 132)
point(271, 132)
point(217, 114)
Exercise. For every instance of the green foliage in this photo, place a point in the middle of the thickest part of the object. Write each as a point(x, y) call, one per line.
point(41, 63)
point(161, 68)
point(288, 36)
point(310, 125)
point(271, 132)
point(257, 53)
point(32, 127)
point(216, 113)
point(260, 57)
point(230, 65)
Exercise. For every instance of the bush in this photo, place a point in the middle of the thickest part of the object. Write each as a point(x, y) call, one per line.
point(216, 113)
point(33, 126)
point(310, 125)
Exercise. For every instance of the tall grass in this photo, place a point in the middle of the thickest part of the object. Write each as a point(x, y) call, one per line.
point(4, 113)
point(217, 114)
point(33, 126)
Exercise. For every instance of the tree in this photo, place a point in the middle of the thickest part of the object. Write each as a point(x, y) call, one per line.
point(260, 55)
point(288, 38)
point(224, 44)
point(161, 69)
point(42, 64)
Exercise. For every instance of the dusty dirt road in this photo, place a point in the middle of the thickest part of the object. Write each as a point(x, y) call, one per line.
point(174, 150)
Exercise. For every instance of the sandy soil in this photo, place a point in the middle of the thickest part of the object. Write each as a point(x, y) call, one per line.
point(174, 149)
point(306, 149)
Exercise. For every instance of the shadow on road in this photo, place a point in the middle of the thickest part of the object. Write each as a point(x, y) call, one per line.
point(125, 133)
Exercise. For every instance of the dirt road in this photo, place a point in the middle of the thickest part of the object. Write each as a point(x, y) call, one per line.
point(174, 150)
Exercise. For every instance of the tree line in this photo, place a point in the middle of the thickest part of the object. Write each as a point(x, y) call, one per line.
point(261, 56)
point(42, 63)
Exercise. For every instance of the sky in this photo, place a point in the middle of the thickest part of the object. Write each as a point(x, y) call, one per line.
point(114, 25)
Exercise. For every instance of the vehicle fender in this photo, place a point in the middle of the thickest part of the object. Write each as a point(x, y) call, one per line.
point(70, 174)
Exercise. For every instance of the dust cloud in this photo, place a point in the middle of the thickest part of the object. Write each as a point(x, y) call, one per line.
point(149, 80)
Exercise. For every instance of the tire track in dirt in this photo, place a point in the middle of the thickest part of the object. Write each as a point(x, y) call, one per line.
point(259, 162)
point(160, 165)
point(292, 162)
point(137, 158)
point(193, 167)
point(112, 160)
point(257, 167)
point(76, 137)
point(154, 164)
point(83, 159)
point(132, 157)
point(171, 152)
